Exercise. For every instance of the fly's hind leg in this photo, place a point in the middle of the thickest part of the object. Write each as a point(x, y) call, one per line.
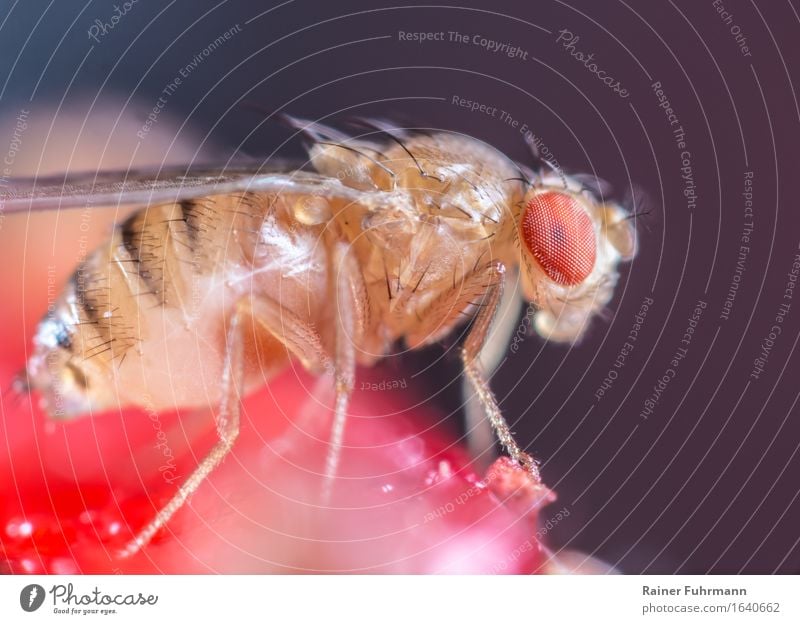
point(482, 288)
point(227, 419)
point(300, 339)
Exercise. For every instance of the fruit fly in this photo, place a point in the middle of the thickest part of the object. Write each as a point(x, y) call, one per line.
point(221, 278)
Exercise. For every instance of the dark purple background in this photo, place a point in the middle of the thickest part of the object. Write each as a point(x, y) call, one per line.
point(708, 483)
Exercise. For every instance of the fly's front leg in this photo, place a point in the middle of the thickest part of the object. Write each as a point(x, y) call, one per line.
point(470, 356)
point(227, 419)
point(480, 435)
point(482, 289)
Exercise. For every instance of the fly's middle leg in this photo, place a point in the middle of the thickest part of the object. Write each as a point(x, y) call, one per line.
point(350, 307)
point(304, 342)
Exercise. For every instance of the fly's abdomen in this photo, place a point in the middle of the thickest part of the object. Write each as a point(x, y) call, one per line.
point(188, 267)
point(139, 306)
point(149, 309)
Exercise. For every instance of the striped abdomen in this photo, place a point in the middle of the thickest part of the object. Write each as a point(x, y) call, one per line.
point(147, 311)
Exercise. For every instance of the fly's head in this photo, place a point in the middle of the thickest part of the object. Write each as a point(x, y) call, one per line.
point(571, 245)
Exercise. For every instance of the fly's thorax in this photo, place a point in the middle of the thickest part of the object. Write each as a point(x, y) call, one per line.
point(413, 260)
point(447, 176)
point(444, 206)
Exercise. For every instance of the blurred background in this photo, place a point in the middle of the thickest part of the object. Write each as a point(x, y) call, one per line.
point(688, 110)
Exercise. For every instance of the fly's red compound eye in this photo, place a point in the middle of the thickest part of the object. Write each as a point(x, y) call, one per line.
point(559, 233)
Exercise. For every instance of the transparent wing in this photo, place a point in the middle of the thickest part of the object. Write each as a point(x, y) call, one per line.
point(141, 187)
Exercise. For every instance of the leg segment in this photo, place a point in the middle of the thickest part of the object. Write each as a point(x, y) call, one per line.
point(304, 342)
point(480, 437)
point(299, 338)
point(350, 319)
point(227, 428)
point(482, 288)
point(470, 355)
